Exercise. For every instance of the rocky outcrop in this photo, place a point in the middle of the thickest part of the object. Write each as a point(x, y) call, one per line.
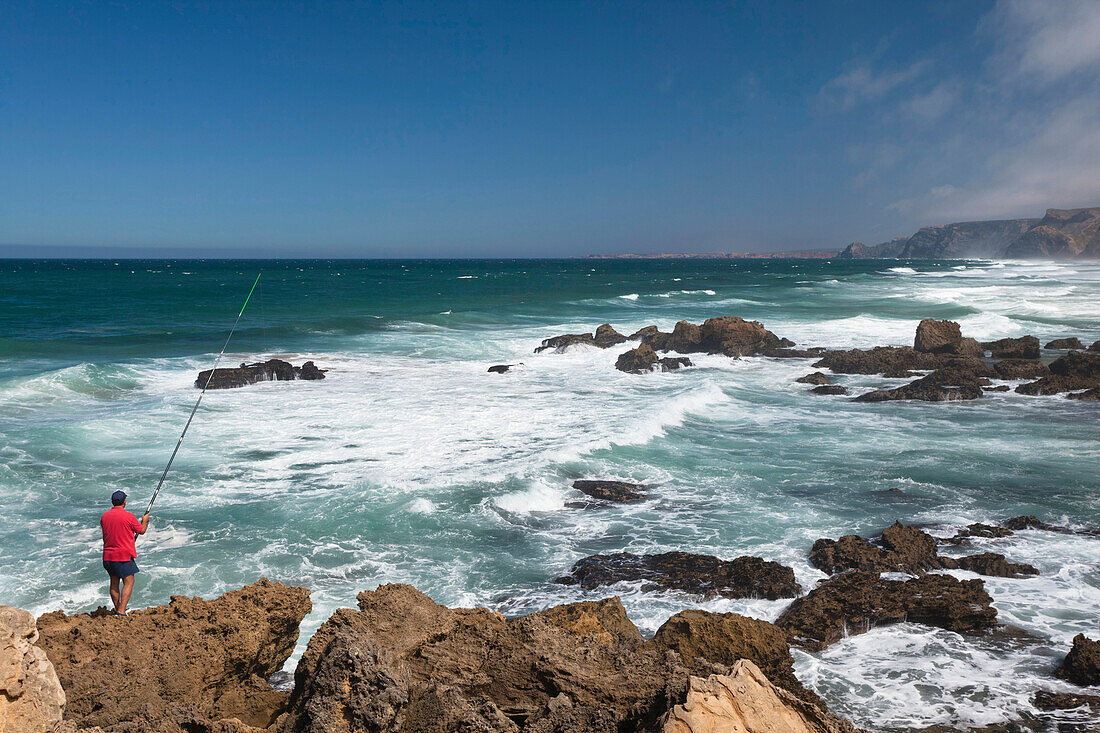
point(986, 239)
point(728, 335)
point(1089, 395)
point(943, 385)
point(1056, 384)
point(1046, 700)
point(638, 360)
point(1077, 364)
point(1061, 234)
point(500, 368)
point(992, 564)
point(1020, 369)
point(404, 663)
point(830, 389)
point(179, 667)
point(746, 701)
point(563, 342)
point(813, 352)
point(703, 575)
point(1095, 347)
point(891, 361)
point(1065, 343)
point(268, 371)
point(854, 602)
point(1025, 347)
point(944, 337)
point(672, 363)
point(1082, 665)
point(606, 336)
point(31, 698)
point(617, 491)
point(885, 250)
point(814, 378)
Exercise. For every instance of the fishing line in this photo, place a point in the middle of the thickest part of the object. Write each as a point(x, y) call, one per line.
point(199, 400)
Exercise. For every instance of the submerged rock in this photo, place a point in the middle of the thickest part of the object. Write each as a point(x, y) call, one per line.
point(563, 342)
point(31, 698)
point(672, 363)
point(814, 378)
point(1056, 384)
point(1065, 343)
point(830, 389)
point(1021, 369)
point(943, 385)
point(1089, 395)
point(703, 575)
point(978, 530)
point(1025, 347)
point(187, 664)
point(1046, 700)
point(993, 564)
point(620, 491)
point(813, 352)
point(500, 368)
point(1082, 665)
point(856, 601)
point(271, 370)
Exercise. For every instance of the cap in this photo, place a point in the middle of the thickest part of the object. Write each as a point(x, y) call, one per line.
point(118, 498)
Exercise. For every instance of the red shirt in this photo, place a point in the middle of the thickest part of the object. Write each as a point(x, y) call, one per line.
point(119, 527)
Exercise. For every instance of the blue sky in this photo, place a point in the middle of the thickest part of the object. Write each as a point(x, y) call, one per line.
point(536, 129)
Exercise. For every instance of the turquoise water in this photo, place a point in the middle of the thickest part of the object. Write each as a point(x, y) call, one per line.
point(410, 463)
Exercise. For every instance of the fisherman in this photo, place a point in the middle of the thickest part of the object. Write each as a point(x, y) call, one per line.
point(120, 530)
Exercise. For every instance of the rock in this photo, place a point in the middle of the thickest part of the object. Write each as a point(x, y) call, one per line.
point(1056, 384)
point(814, 378)
point(814, 352)
point(605, 619)
point(856, 601)
point(703, 575)
point(978, 530)
point(686, 338)
point(1089, 395)
point(268, 371)
point(1095, 346)
point(879, 360)
point(937, 337)
point(637, 361)
point(1027, 521)
point(1082, 665)
point(563, 342)
point(746, 701)
point(193, 662)
point(735, 336)
point(606, 337)
point(1078, 364)
point(994, 564)
point(672, 363)
point(1020, 369)
point(1045, 700)
point(499, 368)
point(1065, 343)
point(943, 385)
point(1060, 234)
point(643, 333)
point(904, 549)
point(830, 389)
point(619, 491)
point(1025, 347)
point(32, 699)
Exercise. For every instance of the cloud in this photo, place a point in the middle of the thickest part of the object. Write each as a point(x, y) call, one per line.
point(931, 105)
point(1045, 40)
point(861, 83)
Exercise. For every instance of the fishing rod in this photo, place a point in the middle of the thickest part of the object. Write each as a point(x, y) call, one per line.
point(199, 400)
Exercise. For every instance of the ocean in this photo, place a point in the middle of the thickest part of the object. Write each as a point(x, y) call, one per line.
point(410, 463)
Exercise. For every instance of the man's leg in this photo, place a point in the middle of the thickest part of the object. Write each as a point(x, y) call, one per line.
point(127, 589)
point(114, 591)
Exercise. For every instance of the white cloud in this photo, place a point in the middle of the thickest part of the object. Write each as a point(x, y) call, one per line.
point(861, 83)
point(1045, 40)
point(932, 105)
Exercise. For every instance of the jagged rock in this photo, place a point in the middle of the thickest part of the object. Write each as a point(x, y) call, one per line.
point(904, 549)
point(268, 371)
point(978, 530)
point(830, 389)
point(185, 665)
point(815, 378)
point(644, 332)
point(879, 360)
point(686, 338)
point(744, 701)
point(855, 601)
point(994, 564)
point(620, 491)
point(1021, 369)
point(813, 352)
point(735, 336)
point(704, 575)
point(499, 368)
point(1027, 521)
point(672, 363)
point(998, 388)
point(1056, 384)
point(944, 337)
point(1082, 665)
point(1089, 395)
point(606, 337)
point(605, 619)
point(943, 385)
point(563, 342)
point(1065, 343)
point(31, 698)
point(638, 360)
point(1045, 700)
point(1077, 364)
point(1025, 347)
point(1061, 233)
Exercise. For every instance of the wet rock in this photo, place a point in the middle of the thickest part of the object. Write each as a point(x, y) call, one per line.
point(268, 371)
point(1065, 343)
point(814, 378)
point(903, 549)
point(879, 360)
point(1045, 700)
point(643, 333)
point(938, 337)
point(637, 361)
point(728, 335)
point(686, 338)
point(620, 491)
point(606, 337)
point(1079, 364)
point(830, 389)
point(856, 601)
point(563, 342)
point(31, 698)
point(1025, 347)
point(978, 530)
point(500, 368)
point(943, 385)
point(998, 388)
point(745, 700)
point(192, 660)
point(672, 363)
point(814, 352)
point(1082, 665)
point(1056, 384)
point(1095, 346)
point(995, 565)
point(703, 575)
point(1020, 369)
point(1028, 521)
point(1089, 395)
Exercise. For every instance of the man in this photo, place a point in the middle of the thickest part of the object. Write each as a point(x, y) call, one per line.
point(120, 529)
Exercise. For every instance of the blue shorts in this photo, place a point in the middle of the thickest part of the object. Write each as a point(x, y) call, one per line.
point(120, 569)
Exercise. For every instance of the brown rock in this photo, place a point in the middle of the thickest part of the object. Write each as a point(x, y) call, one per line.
point(856, 601)
point(1025, 347)
point(1095, 346)
point(948, 384)
point(605, 619)
point(1089, 395)
point(814, 352)
point(1079, 364)
point(1065, 343)
point(637, 361)
point(1056, 384)
point(1045, 700)
point(904, 549)
point(880, 360)
point(995, 564)
point(620, 491)
point(645, 332)
point(937, 337)
point(704, 575)
point(735, 336)
point(1021, 369)
point(606, 337)
point(814, 378)
point(563, 342)
point(672, 363)
point(1082, 665)
point(192, 660)
point(31, 698)
point(269, 371)
point(830, 389)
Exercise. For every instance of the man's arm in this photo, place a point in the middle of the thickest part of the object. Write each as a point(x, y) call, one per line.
point(144, 524)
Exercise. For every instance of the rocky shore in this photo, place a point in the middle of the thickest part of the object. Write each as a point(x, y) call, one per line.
point(401, 662)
